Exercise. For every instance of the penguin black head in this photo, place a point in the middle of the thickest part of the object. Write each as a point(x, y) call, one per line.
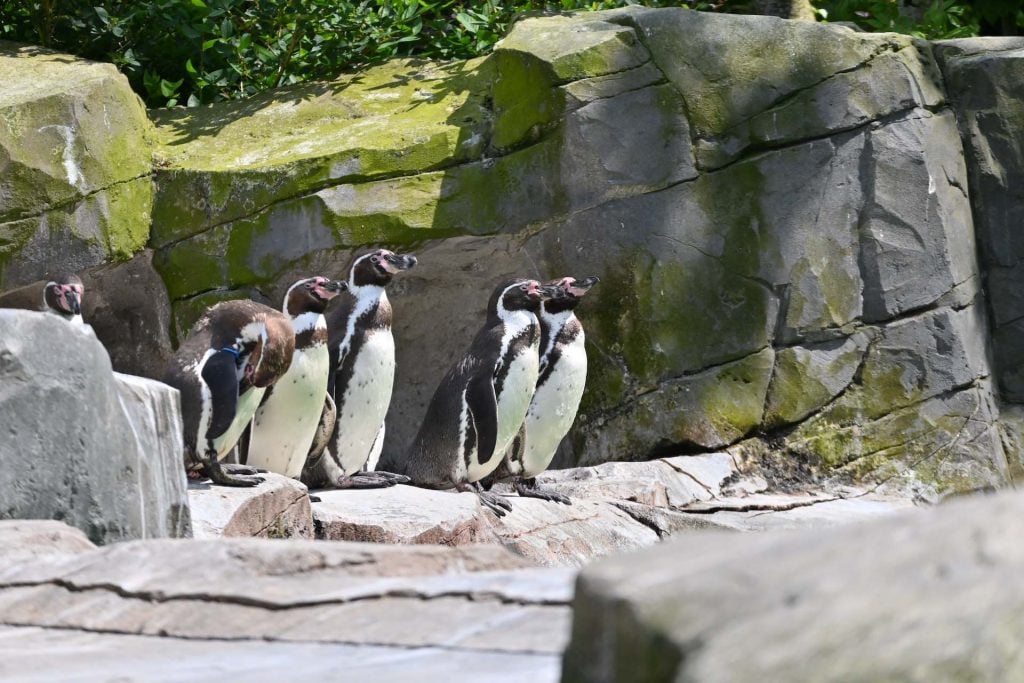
point(569, 292)
point(311, 295)
point(378, 267)
point(519, 295)
point(63, 295)
point(275, 352)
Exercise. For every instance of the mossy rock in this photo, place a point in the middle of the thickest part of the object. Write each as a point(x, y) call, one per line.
point(708, 410)
point(75, 154)
point(230, 160)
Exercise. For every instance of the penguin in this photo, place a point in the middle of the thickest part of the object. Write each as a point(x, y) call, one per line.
point(286, 420)
point(62, 295)
point(481, 403)
point(362, 376)
point(562, 377)
point(231, 355)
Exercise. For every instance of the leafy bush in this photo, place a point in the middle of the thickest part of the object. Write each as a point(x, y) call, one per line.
point(198, 51)
point(931, 19)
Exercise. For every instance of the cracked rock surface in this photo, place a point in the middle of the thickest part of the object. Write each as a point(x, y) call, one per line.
point(391, 609)
point(615, 507)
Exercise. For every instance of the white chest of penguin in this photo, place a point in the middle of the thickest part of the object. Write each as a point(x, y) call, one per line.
point(285, 425)
point(366, 399)
point(247, 404)
point(554, 406)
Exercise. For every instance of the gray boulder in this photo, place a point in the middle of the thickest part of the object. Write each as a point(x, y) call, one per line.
point(925, 596)
point(276, 508)
point(985, 81)
point(82, 445)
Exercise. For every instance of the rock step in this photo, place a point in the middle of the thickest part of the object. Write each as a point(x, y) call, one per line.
point(283, 604)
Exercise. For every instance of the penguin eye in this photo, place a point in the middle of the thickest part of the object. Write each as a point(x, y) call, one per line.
point(375, 259)
point(523, 287)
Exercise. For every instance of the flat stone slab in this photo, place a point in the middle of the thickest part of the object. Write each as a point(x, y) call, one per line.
point(486, 598)
point(35, 655)
point(616, 507)
point(276, 508)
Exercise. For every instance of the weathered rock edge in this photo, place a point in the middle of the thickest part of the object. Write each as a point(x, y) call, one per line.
point(928, 595)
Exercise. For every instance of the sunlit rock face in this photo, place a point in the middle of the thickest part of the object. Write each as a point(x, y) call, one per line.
point(781, 213)
point(82, 444)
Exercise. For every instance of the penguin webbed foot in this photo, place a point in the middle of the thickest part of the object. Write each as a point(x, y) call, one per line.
point(492, 501)
point(217, 474)
point(370, 480)
point(231, 468)
point(528, 488)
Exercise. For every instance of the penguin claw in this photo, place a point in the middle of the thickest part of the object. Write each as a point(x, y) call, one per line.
point(495, 503)
point(365, 480)
point(231, 468)
point(526, 490)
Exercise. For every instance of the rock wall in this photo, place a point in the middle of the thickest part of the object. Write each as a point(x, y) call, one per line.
point(783, 225)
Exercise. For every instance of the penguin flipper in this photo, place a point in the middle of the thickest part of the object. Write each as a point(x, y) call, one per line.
point(220, 373)
point(484, 409)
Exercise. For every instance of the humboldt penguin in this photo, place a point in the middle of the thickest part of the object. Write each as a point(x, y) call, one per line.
point(61, 295)
point(480, 404)
point(362, 376)
point(562, 376)
point(286, 421)
point(231, 355)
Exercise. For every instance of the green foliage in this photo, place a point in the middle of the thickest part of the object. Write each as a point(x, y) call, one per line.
point(930, 19)
point(190, 52)
point(198, 51)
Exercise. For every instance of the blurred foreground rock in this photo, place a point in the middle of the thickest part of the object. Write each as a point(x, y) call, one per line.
point(277, 508)
point(80, 443)
point(923, 596)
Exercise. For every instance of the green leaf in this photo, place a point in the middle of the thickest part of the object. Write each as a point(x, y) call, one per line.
point(170, 88)
point(207, 44)
point(189, 68)
point(199, 3)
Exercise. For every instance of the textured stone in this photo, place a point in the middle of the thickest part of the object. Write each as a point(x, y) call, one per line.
point(807, 377)
point(36, 655)
point(75, 146)
point(276, 508)
point(930, 595)
point(71, 450)
point(290, 590)
point(985, 80)
point(127, 306)
point(403, 514)
point(24, 540)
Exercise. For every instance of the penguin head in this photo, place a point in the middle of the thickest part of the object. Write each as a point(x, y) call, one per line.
point(378, 267)
point(311, 295)
point(568, 292)
point(275, 350)
point(519, 295)
point(63, 295)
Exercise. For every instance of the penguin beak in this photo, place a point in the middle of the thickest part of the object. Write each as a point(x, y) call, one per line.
point(74, 302)
point(398, 262)
point(581, 287)
point(551, 292)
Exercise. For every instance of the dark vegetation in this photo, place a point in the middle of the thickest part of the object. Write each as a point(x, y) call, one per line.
point(191, 52)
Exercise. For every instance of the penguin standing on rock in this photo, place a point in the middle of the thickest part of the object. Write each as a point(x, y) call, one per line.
point(285, 423)
point(231, 355)
point(480, 405)
point(563, 375)
point(361, 379)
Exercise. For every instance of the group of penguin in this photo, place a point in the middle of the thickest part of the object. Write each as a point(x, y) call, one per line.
point(304, 391)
